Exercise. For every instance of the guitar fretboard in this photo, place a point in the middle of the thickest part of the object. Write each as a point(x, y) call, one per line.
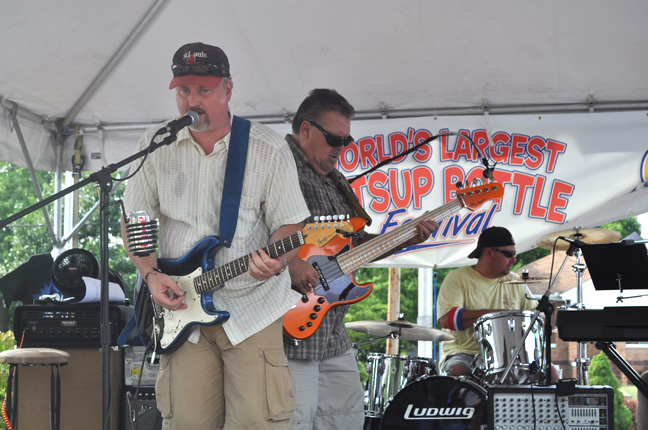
point(216, 277)
point(369, 251)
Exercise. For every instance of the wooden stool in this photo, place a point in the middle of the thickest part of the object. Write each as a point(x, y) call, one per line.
point(33, 357)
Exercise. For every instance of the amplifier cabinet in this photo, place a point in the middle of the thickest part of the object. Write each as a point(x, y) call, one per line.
point(138, 369)
point(67, 325)
point(550, 407)
point(141, 413)
point(81, 392)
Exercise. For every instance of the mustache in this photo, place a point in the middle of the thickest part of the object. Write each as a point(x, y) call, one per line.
point(197, 110)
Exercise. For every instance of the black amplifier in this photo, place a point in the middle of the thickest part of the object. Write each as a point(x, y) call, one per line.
point(67, 325)
point(565, 406)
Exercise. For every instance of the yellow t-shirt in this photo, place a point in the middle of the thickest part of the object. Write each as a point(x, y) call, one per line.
point(466, 288)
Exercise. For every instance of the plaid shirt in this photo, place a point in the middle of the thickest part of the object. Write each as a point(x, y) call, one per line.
point(323, 198)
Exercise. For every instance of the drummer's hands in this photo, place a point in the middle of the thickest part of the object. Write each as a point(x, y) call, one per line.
point(302, 275)
point(423, 231)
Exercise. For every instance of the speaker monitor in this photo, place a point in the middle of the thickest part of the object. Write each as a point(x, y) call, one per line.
point(81, 392)
point(141, 413)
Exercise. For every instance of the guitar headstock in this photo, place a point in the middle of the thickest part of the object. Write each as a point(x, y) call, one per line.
point(322, 232)
point(474, 197)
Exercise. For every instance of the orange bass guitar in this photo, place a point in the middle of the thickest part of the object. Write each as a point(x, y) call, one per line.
point(336, 285)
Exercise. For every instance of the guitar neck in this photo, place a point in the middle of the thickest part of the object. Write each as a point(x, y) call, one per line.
point(216, 277)
point(369, 251)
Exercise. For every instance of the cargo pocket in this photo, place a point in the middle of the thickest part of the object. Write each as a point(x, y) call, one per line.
point(163, 388)
point(280, 395)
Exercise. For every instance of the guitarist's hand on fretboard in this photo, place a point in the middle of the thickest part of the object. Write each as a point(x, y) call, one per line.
point(423, 229)
point(302, 275)
point(165, 291)
point(262, 266)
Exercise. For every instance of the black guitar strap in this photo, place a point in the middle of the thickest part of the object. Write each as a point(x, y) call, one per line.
point(354, 202)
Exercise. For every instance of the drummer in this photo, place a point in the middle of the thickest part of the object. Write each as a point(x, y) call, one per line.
point(470, 292)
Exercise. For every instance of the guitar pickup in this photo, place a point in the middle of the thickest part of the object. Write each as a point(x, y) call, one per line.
point(322, 279)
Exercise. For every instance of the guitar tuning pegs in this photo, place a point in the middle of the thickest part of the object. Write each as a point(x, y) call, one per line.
point(335, 218)
point(316, 218)
point(329, 217)
point(459, 185)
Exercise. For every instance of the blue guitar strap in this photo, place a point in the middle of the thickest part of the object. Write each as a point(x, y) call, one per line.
point(234, 172)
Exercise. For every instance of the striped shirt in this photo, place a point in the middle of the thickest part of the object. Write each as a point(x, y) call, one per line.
point(182, 186)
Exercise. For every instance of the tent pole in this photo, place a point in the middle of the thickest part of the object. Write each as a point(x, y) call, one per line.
point(32, 172)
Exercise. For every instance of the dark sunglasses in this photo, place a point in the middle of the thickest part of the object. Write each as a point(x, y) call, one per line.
point(331, 139)
point(199, 69)
point(505, 252)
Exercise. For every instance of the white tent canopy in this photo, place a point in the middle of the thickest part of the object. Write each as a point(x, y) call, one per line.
point(106, 65)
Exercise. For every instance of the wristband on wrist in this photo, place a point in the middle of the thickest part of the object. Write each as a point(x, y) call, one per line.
point(153, 270)
point(454, 319)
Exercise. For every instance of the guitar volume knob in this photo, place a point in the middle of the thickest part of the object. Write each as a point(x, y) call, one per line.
point(304, 298)
point(302, 328)
point(317, 308)
point(313, 316)
point(321, 300)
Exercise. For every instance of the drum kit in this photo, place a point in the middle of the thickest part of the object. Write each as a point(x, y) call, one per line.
point(405, 392)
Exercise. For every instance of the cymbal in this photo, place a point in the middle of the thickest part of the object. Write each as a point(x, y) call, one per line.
point(401, 327)
point(522, 280)
point(585, 235)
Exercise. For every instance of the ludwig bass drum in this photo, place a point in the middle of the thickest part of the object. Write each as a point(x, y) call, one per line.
point(437, 403)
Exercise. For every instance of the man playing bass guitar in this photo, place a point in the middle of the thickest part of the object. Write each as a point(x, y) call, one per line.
point(323, 366)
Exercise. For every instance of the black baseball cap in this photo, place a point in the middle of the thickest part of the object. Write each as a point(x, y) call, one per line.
point(199, 64)
point(492, 237)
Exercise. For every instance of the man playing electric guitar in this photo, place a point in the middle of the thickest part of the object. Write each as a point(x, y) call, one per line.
point(235, 374)
point(323, 366)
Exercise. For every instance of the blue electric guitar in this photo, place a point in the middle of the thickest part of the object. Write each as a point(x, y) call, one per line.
point(196, 276)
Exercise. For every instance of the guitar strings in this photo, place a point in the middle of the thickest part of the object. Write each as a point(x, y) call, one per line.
point(354, 258)
point(216, 277)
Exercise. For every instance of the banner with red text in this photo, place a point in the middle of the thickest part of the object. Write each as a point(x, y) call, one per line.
point(559, 171)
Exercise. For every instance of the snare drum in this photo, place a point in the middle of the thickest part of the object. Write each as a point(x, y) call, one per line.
point(498, 335)
point(388, 374)
point(437, 403)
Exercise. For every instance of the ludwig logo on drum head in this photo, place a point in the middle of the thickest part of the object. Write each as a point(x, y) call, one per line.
point(437, 413)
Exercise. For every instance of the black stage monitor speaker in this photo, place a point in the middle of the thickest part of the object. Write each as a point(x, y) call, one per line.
point(81, 392)
point(141, 413)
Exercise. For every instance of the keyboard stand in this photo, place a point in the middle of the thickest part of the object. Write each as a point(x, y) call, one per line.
point(609, 349)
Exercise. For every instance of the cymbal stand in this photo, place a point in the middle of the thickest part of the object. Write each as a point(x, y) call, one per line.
point(582, 361)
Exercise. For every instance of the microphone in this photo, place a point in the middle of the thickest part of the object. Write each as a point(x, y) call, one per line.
point(189, 119)
point(574, 242)
point(141, 234)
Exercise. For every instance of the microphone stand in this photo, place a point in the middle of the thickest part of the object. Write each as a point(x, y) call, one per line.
point(104, 180)
point(543, 306)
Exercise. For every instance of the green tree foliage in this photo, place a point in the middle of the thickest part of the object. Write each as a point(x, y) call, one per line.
point(29, 235)
point(600, 373)
point(6, 342)
point(374, 308)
